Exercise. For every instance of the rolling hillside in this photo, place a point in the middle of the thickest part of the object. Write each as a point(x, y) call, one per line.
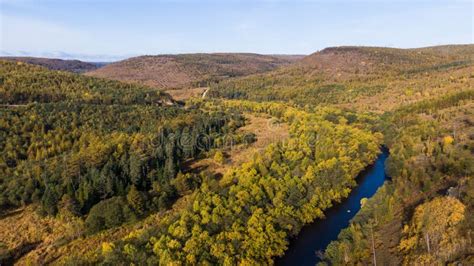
point(75, 66)
point(22, 84)
point(189, 70)
point(368, 78)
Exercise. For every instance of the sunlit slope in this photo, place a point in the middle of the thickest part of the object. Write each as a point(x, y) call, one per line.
point(365, 78)
point(189, 70)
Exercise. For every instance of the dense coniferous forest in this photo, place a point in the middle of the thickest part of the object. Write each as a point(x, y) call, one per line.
point(95, 171)
point(23, 83)
point(75, 154)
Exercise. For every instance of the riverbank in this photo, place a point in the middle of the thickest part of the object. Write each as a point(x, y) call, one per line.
point(315, 237)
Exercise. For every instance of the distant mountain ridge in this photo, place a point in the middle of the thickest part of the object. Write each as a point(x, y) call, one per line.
point(75, 66)
point(190, 70)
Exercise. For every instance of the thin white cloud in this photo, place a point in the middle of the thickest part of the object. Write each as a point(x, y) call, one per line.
point(20, 36)
point(20, 33)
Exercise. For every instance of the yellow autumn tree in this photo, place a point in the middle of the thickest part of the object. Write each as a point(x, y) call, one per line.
point(107, 247)
point(433, 233)
point(219, 157)
point(448, 140)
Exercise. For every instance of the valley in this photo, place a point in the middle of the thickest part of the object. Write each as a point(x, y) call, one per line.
point(348, 156)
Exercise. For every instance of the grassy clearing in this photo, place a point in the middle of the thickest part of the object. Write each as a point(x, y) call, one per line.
point(184, 94)
point(266, 130)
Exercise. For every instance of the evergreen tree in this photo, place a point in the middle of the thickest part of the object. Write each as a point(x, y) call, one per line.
point(68, 206)
point(49, 200)
point(136, 200)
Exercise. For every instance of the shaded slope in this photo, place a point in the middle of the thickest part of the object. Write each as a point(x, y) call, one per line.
point(75, 66)
point(25, 83)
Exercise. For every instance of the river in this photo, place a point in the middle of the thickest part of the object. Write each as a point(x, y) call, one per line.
point(318, 235)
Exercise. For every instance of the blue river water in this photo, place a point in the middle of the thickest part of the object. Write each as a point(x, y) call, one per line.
point(317, 235)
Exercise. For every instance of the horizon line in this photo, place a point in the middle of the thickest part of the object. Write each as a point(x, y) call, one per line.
point(114, 58)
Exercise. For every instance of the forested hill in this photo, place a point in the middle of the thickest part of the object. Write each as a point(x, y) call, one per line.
point(189, 70)
point(361, 60)
point(366, 78)
point(97, 153)
point(22, 83)
point(75, 66)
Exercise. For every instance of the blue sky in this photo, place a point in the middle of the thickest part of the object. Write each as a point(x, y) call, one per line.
point(109, 30)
